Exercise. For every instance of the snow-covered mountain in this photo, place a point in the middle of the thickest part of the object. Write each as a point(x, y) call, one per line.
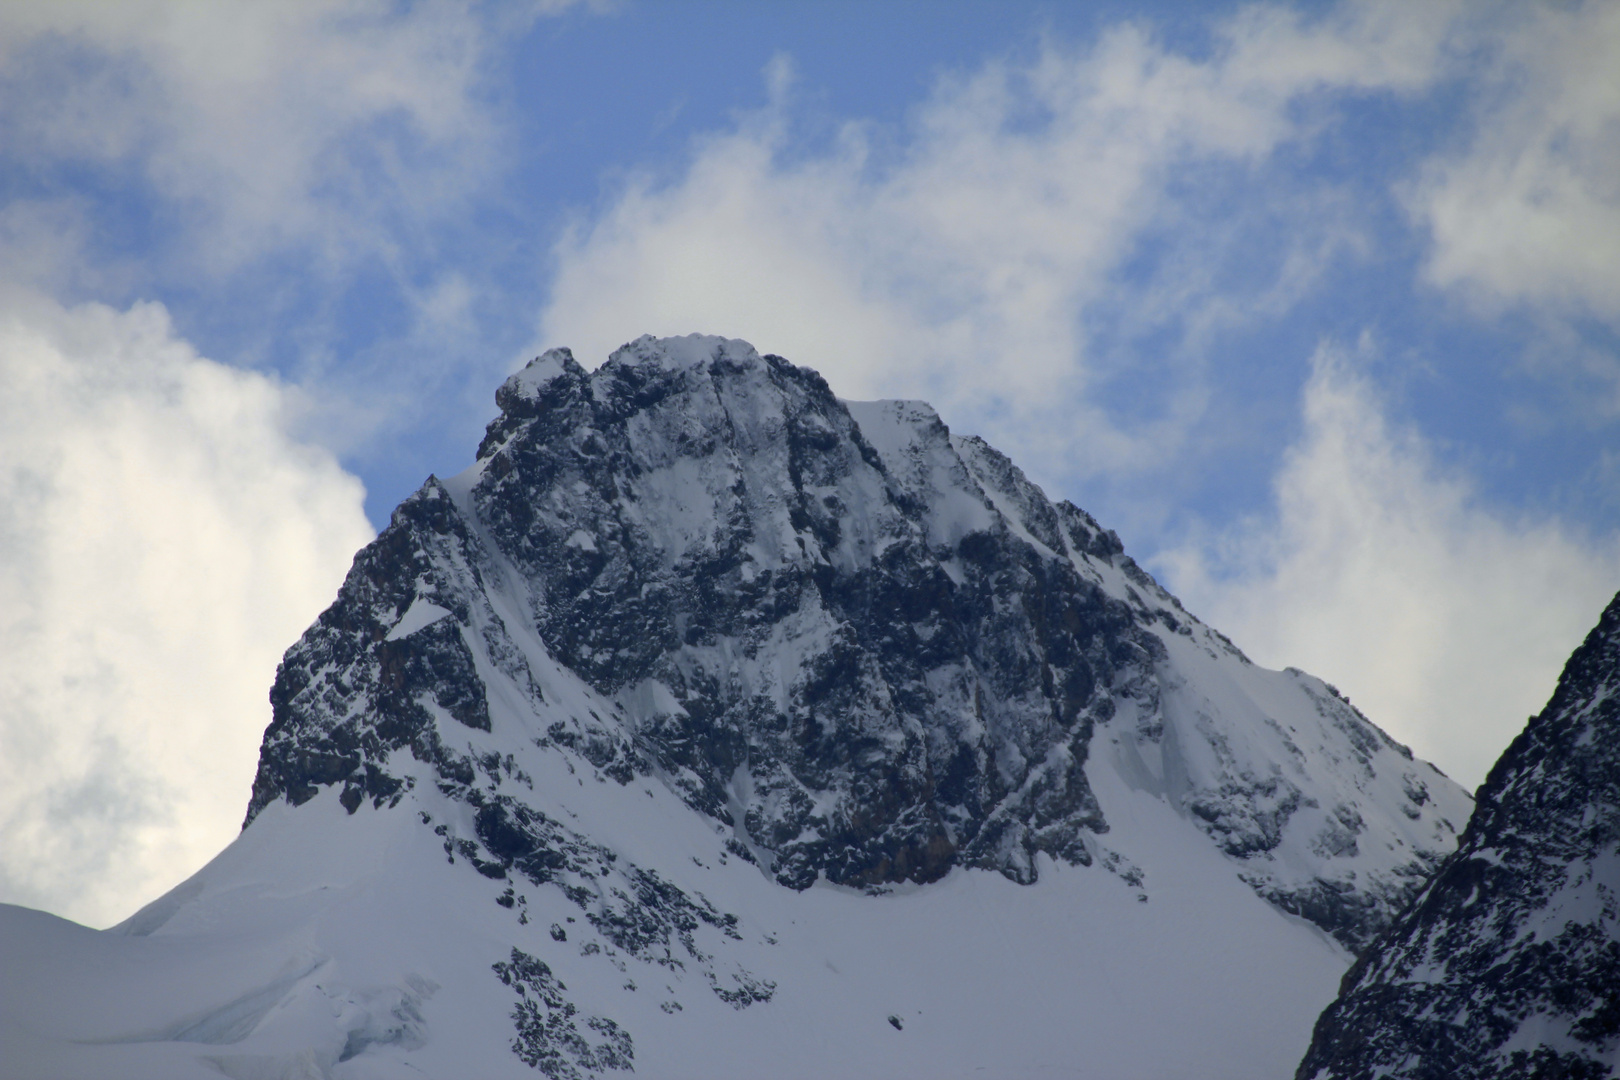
point(1508, 964)
point(712, 726)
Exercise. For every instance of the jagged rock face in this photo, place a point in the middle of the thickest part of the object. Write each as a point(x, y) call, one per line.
point(871, 648)
point(1508, 964)
point(876, 692)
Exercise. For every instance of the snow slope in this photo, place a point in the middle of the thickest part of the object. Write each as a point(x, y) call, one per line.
point(711, 726)
point(319, 934)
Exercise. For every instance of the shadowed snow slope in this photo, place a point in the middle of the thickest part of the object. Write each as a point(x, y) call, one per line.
point(712, 726)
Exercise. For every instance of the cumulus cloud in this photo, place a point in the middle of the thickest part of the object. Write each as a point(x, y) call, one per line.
point(163, 538)
point(1528, 208)
point(1446, 620)
point(959, 264)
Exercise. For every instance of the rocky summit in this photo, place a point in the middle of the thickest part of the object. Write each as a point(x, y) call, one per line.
point(1508, 964)
point(712, 725)
point(869, 648)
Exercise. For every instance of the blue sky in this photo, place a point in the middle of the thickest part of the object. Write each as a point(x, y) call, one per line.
point(1317, 304)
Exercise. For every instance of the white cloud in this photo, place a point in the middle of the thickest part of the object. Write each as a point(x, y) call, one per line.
point(162, 541)
point(1445, 620)
point(958, 267)
point(340, 125)
point(1529, 209)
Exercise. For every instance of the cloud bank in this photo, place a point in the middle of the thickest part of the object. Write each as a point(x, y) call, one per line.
point(162, 539)
point(166, 526)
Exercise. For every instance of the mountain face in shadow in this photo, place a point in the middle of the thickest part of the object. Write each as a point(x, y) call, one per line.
point(1508, 964)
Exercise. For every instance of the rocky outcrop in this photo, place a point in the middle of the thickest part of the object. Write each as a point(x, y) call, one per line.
point(1508, 964)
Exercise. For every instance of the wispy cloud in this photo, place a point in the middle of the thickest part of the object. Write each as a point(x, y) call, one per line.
point(327, 125)
point(1527, 209)
point(960, 262)
point(266, 160)
point(296, 179)
point(1446, 619)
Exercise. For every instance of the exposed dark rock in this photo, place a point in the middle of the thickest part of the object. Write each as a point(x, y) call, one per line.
point(549, 1038)
point(1508, 963)
point(573, 477)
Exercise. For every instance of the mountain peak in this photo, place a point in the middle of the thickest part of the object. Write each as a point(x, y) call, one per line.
point(870, 648)
point(685, 351)
point(714, 724)
point(527, 385)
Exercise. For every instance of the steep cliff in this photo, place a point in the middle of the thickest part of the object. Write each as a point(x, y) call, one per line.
point(1509, 962)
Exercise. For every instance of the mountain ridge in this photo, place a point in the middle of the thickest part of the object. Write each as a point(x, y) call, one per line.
point(965, 642)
